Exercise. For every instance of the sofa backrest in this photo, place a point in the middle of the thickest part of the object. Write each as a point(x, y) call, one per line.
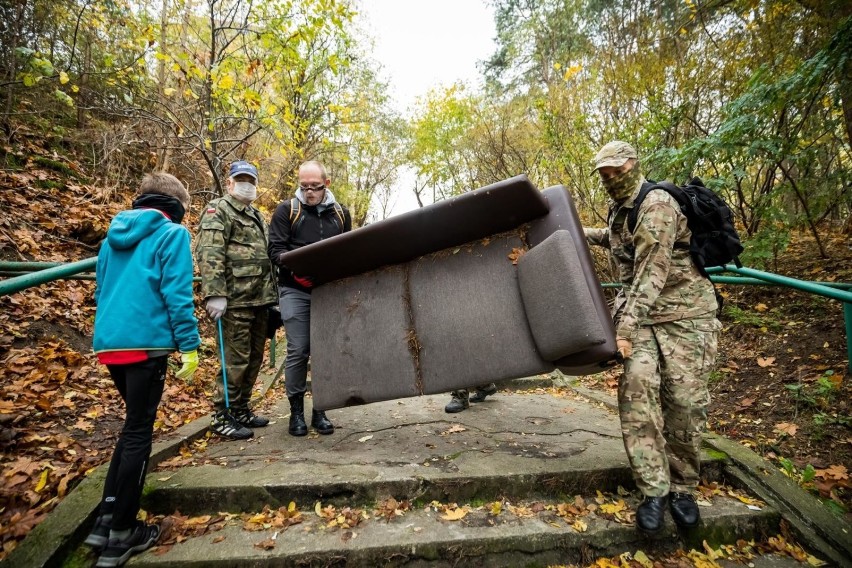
point(474, 215)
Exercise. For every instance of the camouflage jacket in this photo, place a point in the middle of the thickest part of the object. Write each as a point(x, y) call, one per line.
point(660, 281)
point(230, 251)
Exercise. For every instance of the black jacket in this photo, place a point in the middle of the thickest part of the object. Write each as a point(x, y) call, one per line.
point(314, 224)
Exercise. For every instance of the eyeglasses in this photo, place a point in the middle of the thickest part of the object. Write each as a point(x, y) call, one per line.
point(312, 187)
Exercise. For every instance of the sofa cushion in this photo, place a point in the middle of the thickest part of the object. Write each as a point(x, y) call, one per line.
point(562, 215)
point(559, 306)
point(358, 339)
point(469, 316)
point(452, 222)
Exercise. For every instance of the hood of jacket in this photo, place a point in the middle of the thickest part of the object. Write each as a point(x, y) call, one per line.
point(130, 227)
point(328, 200)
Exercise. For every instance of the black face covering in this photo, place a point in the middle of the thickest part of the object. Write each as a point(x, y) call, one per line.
point(168, 205)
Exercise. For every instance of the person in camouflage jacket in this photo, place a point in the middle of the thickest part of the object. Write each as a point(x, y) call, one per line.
point(666, 332)
point(238, 286)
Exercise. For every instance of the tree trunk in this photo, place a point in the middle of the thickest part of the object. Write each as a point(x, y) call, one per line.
point(165, 153)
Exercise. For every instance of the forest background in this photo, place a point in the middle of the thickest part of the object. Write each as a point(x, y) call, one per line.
point(753, 96)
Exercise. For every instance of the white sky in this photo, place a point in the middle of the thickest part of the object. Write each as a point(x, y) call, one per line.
point(423, 44)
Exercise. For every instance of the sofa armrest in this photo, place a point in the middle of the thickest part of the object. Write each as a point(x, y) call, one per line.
point(561, 312)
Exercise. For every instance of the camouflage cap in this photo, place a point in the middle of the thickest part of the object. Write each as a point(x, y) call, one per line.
point(614, 154)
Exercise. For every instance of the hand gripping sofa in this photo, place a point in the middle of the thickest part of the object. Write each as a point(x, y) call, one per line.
point(491, 285)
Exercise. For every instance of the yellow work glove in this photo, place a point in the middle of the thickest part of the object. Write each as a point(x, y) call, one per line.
point(190, 364)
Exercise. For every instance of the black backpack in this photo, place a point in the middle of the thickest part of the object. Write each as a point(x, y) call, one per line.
point(715, 241)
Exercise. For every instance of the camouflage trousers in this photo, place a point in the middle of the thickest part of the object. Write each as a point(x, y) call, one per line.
point(663, 400)
point(244, 334)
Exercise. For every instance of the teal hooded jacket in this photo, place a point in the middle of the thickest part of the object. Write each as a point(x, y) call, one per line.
point(144, 286)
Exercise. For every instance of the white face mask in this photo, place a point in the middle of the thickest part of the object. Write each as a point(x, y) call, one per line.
point(245, 190)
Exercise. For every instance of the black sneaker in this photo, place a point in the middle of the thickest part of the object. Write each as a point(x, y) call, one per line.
point(226, 426)
point(482, 392)
point(100, 532)
point(249, 419)
point(118, 551)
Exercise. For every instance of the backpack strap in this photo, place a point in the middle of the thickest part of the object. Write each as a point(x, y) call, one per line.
point(338, 211)
point(296, 216)
point(648, 187)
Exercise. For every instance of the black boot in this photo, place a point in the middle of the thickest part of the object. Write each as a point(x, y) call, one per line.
point(684, 510)
point(482, 392)
point(321, 423)
point(297, 415)
point(460, 401)
point(650, 514)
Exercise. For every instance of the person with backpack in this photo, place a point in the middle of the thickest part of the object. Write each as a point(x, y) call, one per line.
point(666, 334)
point(311, 216)
point(238, 287)
point(145, 312)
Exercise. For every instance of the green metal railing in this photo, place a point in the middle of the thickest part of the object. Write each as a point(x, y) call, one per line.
point(28, 274)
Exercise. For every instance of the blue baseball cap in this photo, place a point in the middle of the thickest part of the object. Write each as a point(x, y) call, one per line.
point(242, 167)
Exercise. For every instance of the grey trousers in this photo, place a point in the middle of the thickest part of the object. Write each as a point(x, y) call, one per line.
point(296, 315)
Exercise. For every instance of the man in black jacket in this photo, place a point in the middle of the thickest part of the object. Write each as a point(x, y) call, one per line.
point(313, 215)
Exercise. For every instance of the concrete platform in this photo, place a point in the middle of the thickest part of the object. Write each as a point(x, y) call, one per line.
point(513, 444)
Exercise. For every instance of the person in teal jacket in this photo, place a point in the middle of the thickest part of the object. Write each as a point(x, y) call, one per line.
point(145, 312)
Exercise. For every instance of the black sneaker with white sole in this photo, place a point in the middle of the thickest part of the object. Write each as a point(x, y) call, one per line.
point(119, 550)
point(226, 426)
point(249, 419)
point(100, 532)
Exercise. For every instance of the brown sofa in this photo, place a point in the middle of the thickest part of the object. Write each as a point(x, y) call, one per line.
point(491, 285)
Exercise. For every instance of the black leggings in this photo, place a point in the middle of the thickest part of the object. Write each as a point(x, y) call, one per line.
point(141, 387)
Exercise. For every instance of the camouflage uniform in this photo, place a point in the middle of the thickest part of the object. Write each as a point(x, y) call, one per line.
point(668, 311)
point(231, 254)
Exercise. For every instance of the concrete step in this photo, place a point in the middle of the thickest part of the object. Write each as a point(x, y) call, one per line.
point(421, 537)
point(515, 446)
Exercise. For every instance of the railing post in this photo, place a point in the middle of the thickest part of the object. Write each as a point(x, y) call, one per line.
point(847, 315)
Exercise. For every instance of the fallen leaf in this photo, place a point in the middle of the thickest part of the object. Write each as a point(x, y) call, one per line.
point(516, 254)
point(766, 361)
point(761, 307)
point(579, 526)
point(745, 403)
point(612, 508)
point(643, 559)
point(454, 514)
point(786, 428)
point(42, 481)
point(218, 539)
point(365, 438)
point(833, 472)
point(267, 544)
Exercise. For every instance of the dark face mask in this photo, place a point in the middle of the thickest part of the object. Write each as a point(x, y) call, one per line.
point(168, 205)
point(623, 185)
